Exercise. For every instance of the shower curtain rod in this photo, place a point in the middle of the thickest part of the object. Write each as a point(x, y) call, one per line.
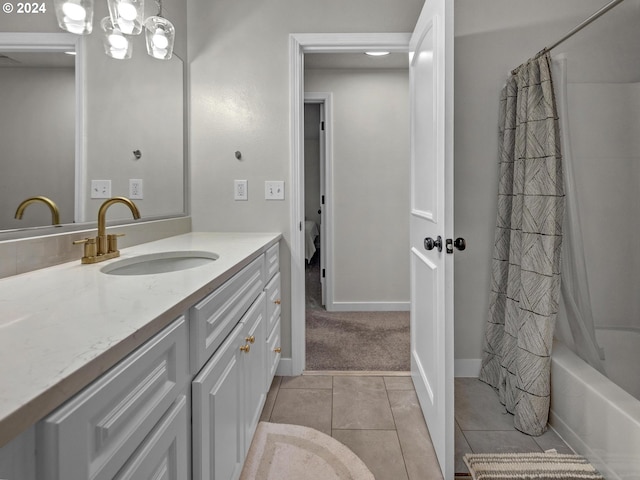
point(575, 30)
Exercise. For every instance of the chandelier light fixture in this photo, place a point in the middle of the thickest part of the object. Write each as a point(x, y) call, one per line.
point(126, 18)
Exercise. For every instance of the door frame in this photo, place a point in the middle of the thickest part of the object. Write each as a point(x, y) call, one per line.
point(299, 44)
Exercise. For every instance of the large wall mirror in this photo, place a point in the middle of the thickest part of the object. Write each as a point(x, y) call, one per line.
point(69, 119)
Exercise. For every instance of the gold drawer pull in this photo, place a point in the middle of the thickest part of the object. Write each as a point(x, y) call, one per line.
point(250, 339)
point(277, 350)
point(277, 302)
point(245, 348)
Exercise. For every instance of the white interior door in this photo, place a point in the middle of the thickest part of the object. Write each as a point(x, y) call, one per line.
point(431, 97)
point(323, 210)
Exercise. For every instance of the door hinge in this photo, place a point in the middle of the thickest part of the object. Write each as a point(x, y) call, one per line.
point(322, 199)
point(323, 273)
point(300, 226)
point(322, 126)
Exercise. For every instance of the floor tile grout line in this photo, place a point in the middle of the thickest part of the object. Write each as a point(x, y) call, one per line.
point(395, 424)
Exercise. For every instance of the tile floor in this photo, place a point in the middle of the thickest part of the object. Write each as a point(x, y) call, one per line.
point(379, 418)
point(484, 426)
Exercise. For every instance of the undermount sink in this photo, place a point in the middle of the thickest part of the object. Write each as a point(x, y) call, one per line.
point(162, 262)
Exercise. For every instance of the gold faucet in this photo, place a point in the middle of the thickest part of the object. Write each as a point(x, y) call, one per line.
point(103, 246)
point(55, 213)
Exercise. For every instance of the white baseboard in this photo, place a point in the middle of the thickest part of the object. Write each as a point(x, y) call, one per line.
point(285, 367)
point(369, 307)
point(467, 367)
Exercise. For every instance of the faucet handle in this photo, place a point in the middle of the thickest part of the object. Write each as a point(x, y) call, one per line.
point(112, 239)
point(90, 250)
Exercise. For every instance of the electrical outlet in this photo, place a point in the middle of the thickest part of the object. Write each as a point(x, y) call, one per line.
point(240, 190)
point(100, 188)
point(135, 189)
point(274, 190)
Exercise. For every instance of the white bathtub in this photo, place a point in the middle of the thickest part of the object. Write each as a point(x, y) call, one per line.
point(596, 417)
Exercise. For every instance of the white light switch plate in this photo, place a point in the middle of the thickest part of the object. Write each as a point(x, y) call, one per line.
point(274, 190)
point(100, 188)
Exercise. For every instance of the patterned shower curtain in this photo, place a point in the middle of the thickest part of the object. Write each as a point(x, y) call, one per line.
point(525, 284)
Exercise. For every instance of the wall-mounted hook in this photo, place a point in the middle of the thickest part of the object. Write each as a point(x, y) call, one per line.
point(238, 155)
point(137, 154)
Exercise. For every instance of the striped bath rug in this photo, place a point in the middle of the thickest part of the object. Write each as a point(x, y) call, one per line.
point(530, 466)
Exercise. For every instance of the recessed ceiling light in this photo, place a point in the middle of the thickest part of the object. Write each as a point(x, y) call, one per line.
point(377, 54)
point(70, 53)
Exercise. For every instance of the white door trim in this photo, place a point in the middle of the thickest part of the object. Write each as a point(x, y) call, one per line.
point(299, 44)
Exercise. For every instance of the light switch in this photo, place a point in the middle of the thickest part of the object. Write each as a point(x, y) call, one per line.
point(100, 188)
point(274, 190)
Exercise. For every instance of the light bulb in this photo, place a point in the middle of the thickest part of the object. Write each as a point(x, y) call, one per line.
point(118, 41)
point(160, 40)
point(127, 11)
point(74, 11)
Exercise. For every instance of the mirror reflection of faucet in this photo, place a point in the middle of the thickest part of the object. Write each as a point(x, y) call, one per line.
point(103, 246)
point(55, 213)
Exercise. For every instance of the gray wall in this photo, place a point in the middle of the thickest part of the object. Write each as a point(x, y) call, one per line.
point(604, 125)
point(370, 178)
point(239, 52)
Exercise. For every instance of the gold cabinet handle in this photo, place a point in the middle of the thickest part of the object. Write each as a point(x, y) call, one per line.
point(250, 339)
point(277, 302)
point(245, 348)
point(277, 350)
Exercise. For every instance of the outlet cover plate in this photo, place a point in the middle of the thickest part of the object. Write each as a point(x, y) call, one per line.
point(274, 190)
point(135, 189)
point(240, 190)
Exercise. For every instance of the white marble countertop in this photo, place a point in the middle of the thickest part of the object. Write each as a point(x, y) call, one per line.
point(61, 327)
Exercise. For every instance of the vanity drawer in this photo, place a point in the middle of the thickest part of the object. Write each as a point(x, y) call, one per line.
point(273, 354)
point(93, 435)
point(273, 292)
point(164, 453)
point(272, 260)
point(216, 316)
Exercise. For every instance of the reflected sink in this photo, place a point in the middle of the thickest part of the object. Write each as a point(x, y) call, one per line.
point(162, 262)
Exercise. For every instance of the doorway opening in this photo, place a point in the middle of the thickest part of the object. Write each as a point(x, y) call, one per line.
point(327, 44)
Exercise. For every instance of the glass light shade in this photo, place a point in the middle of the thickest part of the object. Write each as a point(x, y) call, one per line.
point(127, 15)
point(116, 44)
point(160, 35)
point(75, 16)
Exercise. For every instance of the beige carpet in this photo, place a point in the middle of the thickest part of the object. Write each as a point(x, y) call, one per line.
point(530, 466)
point(291, 452)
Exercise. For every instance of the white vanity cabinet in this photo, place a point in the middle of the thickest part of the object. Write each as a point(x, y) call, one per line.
point(274, 297)
point(94, 434)
point(184, 405)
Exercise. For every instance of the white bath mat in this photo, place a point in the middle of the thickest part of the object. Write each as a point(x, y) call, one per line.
point(291, 452)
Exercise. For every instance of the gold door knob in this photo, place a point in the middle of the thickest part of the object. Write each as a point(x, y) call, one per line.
point(245, 348)
point(250, 339)
point(277, 302)
point(277, 350)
